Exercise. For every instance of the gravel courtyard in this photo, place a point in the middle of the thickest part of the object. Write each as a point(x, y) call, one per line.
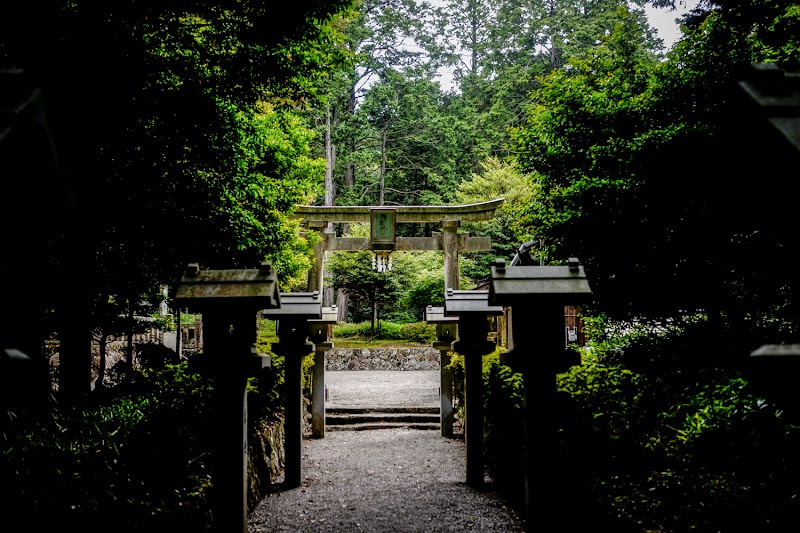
point(384, 480)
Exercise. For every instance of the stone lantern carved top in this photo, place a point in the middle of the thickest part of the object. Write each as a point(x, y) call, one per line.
point(204, 289)
point(302, 305)
point(566, 284)
point(435, 315)
point(459, 303)
point(777, 350)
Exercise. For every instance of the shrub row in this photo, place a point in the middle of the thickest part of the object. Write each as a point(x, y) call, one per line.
point(420, 332)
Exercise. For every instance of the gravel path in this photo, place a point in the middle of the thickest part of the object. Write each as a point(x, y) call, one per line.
point(384, 480)
point(382, 388)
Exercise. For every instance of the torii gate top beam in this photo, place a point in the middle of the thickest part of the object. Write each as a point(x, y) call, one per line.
point(405, 213)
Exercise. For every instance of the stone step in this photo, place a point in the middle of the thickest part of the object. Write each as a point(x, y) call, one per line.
point(358, 418)
point(417, 409)
point(383, 425)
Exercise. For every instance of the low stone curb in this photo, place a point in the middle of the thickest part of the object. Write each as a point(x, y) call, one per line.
point(423, 358)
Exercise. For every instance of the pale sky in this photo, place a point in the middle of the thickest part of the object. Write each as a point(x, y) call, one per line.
point(664, 21)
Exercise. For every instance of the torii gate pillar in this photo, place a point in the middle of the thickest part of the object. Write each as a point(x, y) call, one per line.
point(452, 271)
point(315, 273)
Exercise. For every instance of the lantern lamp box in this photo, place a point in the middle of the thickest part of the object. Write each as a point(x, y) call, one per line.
point(446, 326)
point(318, 327)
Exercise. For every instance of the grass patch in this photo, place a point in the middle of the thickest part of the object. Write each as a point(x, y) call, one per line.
point(347, 342)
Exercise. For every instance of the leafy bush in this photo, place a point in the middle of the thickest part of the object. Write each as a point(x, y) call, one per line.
point(503, 400)
point(662, 434)
point(122, 460)
point(135, 458)
point(351, 330)
point(419, 332)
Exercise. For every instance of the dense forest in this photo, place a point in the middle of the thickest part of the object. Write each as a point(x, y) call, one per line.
point(187, 131)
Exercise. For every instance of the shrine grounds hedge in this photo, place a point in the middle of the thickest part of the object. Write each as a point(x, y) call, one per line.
point(694, 448)
point(411, 332)
point(131, 458)
point(128, 460)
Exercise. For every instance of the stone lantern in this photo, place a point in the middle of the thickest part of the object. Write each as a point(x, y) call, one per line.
point(319, 332)
point(446, 334)
point(293, 316)
point(537, 296)
point(473, 311)
point(229, 301)
point(773, 370)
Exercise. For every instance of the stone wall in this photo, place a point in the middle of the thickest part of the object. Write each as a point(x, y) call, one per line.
point(266, 459)
point(425, 358)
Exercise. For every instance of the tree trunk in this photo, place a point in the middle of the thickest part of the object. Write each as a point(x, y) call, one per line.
point(329, 159)
point(374, 302)
point(383, 169)
point(341, 306)
point(349, 171)
point(342, 298)
point(330, 193)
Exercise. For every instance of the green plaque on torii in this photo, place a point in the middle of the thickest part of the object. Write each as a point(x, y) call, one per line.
point(382, 228)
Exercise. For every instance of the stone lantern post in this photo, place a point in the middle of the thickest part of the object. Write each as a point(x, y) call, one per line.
point(319, 331)
point(229, 301)
point(537, 296)
point(296, 309)
point(446, 333)
point(473, 310)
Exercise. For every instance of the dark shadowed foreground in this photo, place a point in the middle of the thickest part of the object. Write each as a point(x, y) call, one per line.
point(384, 480)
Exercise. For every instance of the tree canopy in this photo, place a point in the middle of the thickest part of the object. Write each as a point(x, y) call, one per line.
point(177, 136)
point(623, 148)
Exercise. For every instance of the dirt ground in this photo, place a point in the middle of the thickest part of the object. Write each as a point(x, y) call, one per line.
point(386, 481)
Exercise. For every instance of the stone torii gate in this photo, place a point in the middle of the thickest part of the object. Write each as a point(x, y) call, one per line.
point(449, 240)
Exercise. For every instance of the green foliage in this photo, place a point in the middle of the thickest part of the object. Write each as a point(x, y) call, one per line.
point(415, 332)
point(368, 289)
point(153, 472)
point(203, 158)
point(307, 371)
point(777, 40)
point(457, 367)
point(400, 295)
point(266, 389)
point(608, 138)
point(351, 330)
point(656, 431)
point(421, 332)
point(607, 401)
point(503, 403)
point(681, 445)
point(592, 133)
point(499, 179)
